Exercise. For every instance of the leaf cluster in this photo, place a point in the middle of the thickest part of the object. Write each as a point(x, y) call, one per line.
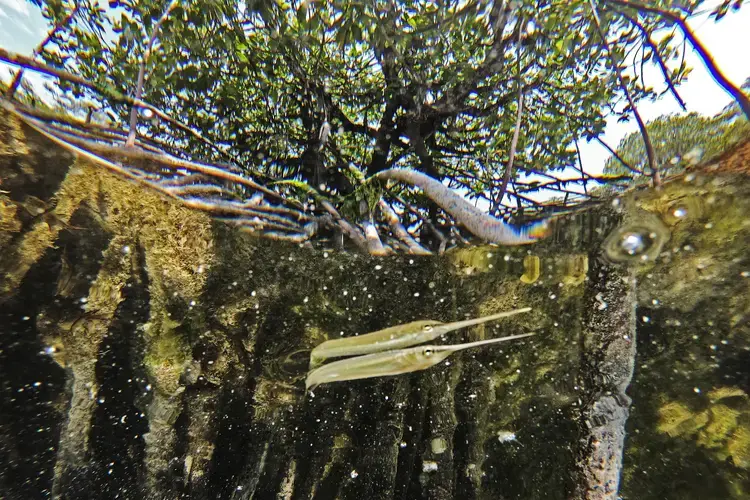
point(432, 86)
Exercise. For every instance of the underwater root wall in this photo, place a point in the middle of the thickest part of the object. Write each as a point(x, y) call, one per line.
point(147, 351)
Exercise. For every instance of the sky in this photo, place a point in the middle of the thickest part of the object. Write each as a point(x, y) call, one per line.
point(22, 28)
point(729, 44)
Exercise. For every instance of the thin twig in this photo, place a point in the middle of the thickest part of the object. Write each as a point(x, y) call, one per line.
point(519, 114)
point(641, 124)
point(40, 48)
point(165, 159)
point(142, 71)
point(736, 92)
point(580, 165)
point(354, 234)
point(115, 95)
point(211, 207)
point(374, 245)
point(400, 231)
point(513, 146)
point(662, 65)
point(429, 225)
point(618, 157)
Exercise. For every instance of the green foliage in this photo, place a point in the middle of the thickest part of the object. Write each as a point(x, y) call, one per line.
point(679, 141)
point(426, 85)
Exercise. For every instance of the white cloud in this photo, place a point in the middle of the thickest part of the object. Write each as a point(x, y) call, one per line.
point(18, 5)
point(23, 26)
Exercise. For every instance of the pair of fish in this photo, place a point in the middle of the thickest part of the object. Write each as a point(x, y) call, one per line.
point(389, 352)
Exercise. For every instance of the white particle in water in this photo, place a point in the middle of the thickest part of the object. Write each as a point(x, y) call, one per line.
point(679, 212)
point(506, 436)
point(378, 267)
point(633, 244)
point(601, 304)
point(416, 294)
point(696, 390)
point(354, 474)
point(429, 466)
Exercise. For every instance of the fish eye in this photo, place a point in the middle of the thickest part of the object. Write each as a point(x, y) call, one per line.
point(427, 352)
point(427, 328)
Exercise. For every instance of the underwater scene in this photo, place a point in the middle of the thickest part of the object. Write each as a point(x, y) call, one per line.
point(370, 250)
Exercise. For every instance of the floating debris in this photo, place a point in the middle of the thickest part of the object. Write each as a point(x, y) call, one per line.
point(506, 436)
point(438, 446)
point(429, 466)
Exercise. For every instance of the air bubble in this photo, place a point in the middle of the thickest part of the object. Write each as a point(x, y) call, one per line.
point(637, 241)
